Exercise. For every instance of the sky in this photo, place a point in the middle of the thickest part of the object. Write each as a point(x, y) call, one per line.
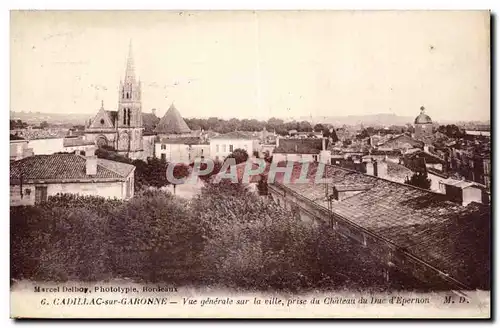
point(260, 64)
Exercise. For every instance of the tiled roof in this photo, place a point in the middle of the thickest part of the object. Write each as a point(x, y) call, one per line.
point(235, 135)
point(65, 167)
point(172, 123)
point(299, 146)
point(448, 236)
point(34, 134)
point(398, 172)
point(401, 139)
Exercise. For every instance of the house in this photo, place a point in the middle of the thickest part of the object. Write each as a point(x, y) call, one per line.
point(223, 145)
point(442, 240)
point(402, 142)
point(181, 149)
point(47, 145)
point(33, 179)
point(19, 148)
point(295, 149)
point(77, 144)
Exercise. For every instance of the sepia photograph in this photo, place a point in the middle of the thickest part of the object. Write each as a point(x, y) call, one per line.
point(250, 164)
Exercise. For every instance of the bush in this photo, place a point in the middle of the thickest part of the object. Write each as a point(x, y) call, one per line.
point(226, 236)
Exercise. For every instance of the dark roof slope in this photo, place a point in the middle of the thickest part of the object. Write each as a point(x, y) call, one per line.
point(172, 123)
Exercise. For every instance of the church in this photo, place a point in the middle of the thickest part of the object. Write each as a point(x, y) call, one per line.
point(127, 129)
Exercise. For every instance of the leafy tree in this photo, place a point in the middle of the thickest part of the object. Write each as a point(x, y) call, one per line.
point(419, 179)
point(319, 127)
point(451, 131)
point(44, 125)
point(240, 155)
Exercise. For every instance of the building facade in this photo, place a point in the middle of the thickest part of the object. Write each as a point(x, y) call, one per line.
point(223, 145)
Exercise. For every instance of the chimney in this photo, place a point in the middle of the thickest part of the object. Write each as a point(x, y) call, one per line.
point(370, 170)
point(323, 143)
point(381, 169)
point(90, 161)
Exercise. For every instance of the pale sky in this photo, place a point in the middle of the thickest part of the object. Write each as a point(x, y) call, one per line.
point(256, 65)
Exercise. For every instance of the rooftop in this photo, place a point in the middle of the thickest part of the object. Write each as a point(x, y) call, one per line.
point(448, 236)
point(65, 168)
point(300, 146)
point(172, 123)
point(182, 141)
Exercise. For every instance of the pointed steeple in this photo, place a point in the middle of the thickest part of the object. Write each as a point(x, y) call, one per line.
point(130, 70)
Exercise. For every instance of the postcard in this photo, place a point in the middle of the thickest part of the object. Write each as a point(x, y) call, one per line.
point(250, 164)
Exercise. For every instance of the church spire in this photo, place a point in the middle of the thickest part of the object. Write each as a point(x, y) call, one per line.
point(130, 70)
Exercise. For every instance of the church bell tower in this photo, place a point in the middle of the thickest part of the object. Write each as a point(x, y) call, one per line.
point(129, 142)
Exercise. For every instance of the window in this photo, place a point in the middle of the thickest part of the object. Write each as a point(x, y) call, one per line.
point(163, 146)
point(231, 148)
point(216, 148)
point(124, 116)
point(223, 148)
point(102, 121)
point(245, 147)
point(315, 157)
point(164, 157)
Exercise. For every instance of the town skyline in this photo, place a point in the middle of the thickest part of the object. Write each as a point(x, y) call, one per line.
point(193, 60)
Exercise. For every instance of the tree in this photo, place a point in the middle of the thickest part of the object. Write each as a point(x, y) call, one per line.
point(44, 125)
point(364, 134)
point(319, 127)
point(451, 131)
point(419, 179)
point(240, 155)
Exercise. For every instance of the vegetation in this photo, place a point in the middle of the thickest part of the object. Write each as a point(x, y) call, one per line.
point(419, 179)
point(239, 155)
point(225, 237)
point(224, 126)
point(451, 131)
point(18, 124)
point(149, 173)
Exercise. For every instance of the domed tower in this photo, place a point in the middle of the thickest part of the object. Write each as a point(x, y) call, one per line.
point(423, 124)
